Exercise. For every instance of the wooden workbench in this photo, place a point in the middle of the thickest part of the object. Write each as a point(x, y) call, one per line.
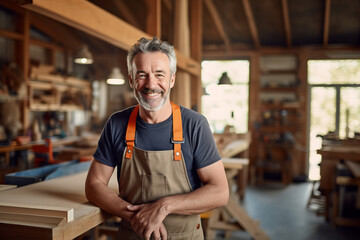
point(232, 217)
point(74, 141)
point(331, 155)
point(67, 192)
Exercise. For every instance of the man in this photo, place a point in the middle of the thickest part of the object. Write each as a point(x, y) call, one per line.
point(169, 169)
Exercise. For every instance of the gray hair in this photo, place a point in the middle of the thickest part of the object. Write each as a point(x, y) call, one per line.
point(145, 45)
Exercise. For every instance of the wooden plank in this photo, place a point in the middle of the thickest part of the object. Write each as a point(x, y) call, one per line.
point(181, 92)
point(56, 31)
point(51, 211)
point(285, 12)
point(12, 35)
point(326, 22)
point(249, 225)
point(251, 21)
point(354, 168)
point(218, 23)
point(68, 192)
point(101, 24)
point(4, 187)
point(235, 163)
point(196, 33)
point(153, 20)
point(31, 219)
point(126, 13)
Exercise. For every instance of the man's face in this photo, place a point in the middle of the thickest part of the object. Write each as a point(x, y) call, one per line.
point(152, 81)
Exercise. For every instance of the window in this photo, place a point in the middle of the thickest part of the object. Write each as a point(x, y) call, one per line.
point(335, 103)
point(226, 104)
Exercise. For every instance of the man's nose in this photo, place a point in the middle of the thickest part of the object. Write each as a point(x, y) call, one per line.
point(151, 81)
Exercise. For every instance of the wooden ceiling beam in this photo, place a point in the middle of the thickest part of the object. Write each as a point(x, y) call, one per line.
point(126, 13)
point(326, 23)
point(167, 4)
point(218, 23)
point(95, 21)
point(251, 22)
point(285, 12)
point(153, 20)
point(55, 31)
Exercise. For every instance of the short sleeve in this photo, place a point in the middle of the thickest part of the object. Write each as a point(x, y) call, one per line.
point(205, 149)
point(105, 150)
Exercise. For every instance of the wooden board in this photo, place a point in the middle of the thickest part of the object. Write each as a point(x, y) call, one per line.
point(67, 192)
point(37, 210)
point(354, 168)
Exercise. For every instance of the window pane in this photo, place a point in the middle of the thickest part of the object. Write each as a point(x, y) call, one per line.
point(226, 104)
point(334, 71)
point(322, 121)
point(349, 111)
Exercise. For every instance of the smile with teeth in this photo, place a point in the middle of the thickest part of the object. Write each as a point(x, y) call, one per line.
point(151, 93)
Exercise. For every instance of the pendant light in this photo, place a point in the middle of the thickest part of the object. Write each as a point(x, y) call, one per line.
point(83, 56)
point(115, 77)
point(224, 79)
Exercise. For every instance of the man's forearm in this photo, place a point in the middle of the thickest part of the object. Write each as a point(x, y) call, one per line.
point(199, 201)
point(102, 196)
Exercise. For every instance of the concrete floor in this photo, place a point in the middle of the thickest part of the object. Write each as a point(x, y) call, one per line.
point(283, 215)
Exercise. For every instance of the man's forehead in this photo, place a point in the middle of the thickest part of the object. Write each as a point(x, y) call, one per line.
point(156, 59)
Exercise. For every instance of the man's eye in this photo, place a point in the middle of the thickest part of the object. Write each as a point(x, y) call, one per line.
point(141, 76)
point(160, 75)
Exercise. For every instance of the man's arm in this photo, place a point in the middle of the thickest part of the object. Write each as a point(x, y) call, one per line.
point(100, 194)
point(214, 193)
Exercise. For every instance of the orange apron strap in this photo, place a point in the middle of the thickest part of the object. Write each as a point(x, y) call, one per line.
point(130, 132)
point(177, 131)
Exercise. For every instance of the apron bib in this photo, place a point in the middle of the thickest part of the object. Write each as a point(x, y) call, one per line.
point(149, 175)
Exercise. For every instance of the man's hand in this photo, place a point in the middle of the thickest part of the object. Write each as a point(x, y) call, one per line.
point(148, 219)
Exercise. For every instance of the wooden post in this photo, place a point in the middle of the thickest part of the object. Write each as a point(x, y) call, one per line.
point(153, 20)
point(24, 63)
point(181, 90)
point(196, 14)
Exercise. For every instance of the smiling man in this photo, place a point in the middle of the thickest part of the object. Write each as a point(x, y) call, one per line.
point(169, 169)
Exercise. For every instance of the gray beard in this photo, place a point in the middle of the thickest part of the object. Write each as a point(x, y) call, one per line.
point(147, 103)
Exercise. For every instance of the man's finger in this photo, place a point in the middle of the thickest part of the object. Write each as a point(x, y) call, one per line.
point(163, 232)
point(133, 208)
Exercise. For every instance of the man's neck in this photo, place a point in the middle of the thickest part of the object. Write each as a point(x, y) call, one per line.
point(156, 116)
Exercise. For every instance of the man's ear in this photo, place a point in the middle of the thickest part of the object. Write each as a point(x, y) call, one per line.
point(172, 81)
point(131, 82)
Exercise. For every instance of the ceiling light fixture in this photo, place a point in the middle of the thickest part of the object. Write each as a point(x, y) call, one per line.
point(116, 77)
point(83, 56)
point(224, 79)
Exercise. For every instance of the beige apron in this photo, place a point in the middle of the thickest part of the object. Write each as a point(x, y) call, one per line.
point(149, 175)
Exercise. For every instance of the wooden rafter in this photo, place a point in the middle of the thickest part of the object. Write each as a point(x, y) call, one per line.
point(126, 13)
point(218, 23)
point(153, 20)
point(55, 31)
point(167, 4)
point(95, 21)
point(326, 22)
point(285, 12)
point(196, 33)
point(251, 22)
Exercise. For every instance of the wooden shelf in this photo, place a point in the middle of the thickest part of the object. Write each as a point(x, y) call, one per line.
point(55, 107)
point(279, 89)
point(280, 129)
point(284, 105)
point(268, 72)
point(47, 92)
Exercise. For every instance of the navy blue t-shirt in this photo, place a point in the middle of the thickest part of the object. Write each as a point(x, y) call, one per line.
point(199, 148)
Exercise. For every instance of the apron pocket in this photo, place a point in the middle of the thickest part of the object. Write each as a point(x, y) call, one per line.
point(153, 187)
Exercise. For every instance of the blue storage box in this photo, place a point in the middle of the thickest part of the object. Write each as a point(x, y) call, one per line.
point(34, 175)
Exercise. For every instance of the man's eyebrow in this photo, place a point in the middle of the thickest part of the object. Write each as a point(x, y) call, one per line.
point(140, 71)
